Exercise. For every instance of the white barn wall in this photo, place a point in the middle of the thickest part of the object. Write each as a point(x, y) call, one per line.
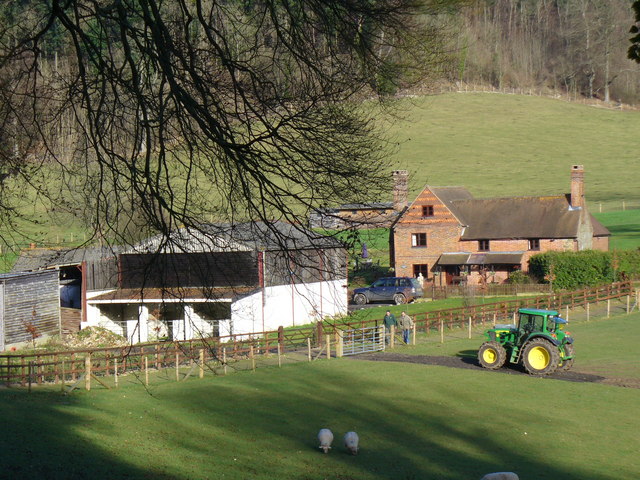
point(289, 305)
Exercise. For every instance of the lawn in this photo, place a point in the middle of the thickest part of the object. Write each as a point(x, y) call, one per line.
point(505, 145)
point(624, 227)
point(415, 422)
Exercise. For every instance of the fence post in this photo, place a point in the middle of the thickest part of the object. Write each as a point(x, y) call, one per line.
point(339, 343)
point(177, 366)
point(328, 340)
point(588, 310)
point(441, 331)
point(413, 333)
point(392, 332)
point(608, 307)
point(146, 371)
point(253, 358)
point(628, 303)
point(281, 336)
point(279, 357)
point(567, 315)
point(309, 348)
point(202, 363)
point(381, 337)
point(87, 372)
point(319, 332)
point(224, 360)
point(29, 373)
point(469, 327)
point(115, 371)
point(62, 384)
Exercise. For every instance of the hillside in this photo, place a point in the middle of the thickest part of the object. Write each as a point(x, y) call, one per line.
point(502, 145)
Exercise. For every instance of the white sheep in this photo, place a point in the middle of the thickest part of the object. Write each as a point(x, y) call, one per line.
point(501, 476)
point(325, 437)
point(351, 440)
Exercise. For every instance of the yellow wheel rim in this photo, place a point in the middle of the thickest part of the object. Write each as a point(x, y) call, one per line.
point(539, 358)
point(489, 355)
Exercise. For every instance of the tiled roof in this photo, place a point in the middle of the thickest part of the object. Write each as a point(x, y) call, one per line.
point(520, 217)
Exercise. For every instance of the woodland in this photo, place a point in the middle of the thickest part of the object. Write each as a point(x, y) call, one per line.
point(138, 116)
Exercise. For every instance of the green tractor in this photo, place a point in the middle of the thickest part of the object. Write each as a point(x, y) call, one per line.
point(539, 342)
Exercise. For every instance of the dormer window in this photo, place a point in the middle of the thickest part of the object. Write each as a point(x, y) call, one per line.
point(427, 210)
point(483, 245)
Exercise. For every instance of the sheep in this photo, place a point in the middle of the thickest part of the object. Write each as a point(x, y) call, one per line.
point(500, 476)
point(351, 440)
point(325, 437)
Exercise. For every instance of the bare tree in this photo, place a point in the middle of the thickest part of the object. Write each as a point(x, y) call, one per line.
point(177, 112)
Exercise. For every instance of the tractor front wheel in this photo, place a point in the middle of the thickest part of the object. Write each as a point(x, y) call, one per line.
point(568, 352)
point(540, 357)
point(492, 355)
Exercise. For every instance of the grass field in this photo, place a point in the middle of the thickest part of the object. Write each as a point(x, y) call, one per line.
point(415, 421)
point(624, 228)
point(503, 145)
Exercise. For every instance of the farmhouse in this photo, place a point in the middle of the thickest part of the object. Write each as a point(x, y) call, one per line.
point(450, 237)
point(214, 281)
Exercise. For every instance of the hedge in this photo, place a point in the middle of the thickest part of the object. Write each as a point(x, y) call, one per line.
point(573, 270)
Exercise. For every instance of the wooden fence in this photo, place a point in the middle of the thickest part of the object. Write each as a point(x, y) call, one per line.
point(78, 367)
point(489, 290)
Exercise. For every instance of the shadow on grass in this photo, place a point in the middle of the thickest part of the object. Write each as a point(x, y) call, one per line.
point(264, 425)
point(41, 441)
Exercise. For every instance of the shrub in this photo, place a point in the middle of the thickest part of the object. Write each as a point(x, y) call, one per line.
point(571, 270)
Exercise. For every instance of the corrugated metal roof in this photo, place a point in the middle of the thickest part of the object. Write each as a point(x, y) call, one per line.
point(237, 237)
point(42, 258)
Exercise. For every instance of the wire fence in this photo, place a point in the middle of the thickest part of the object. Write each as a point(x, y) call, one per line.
point(176, 361)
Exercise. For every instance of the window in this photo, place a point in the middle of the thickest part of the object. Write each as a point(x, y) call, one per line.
point(418, 239)
point(421, 269)
point(427, 210)
point(534, 244)
point(483, 245)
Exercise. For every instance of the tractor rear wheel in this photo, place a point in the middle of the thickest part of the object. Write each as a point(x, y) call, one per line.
point(568, 352)
point(540, 357)
point(492, 355)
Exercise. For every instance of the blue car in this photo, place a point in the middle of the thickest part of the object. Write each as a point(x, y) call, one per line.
point(398, 290)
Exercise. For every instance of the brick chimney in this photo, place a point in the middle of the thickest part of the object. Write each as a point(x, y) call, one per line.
point(400, 189)
point(577, 186)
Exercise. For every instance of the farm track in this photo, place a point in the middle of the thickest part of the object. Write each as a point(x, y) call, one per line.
point(471, 363)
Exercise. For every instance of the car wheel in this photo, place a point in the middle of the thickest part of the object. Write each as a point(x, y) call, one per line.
point(399, 299)
point(360, 299)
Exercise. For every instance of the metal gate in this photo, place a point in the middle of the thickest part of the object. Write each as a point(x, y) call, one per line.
point(362, 340)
